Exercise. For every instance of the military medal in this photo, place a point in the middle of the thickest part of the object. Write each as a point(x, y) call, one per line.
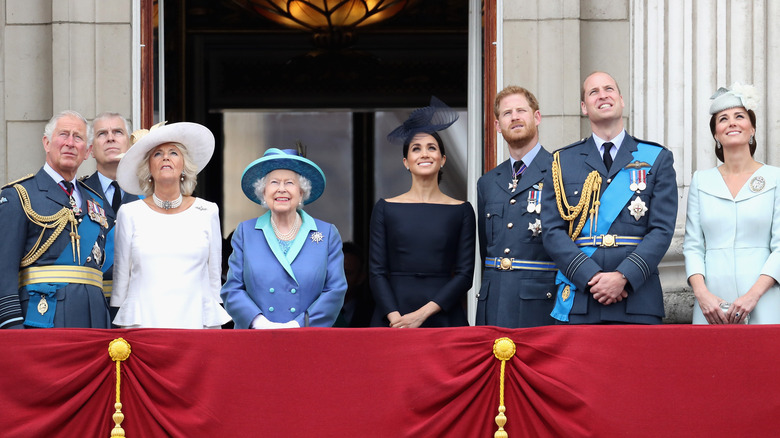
point(757, 184)
point(642, 184)
point(75, 208)
point(634, 186)
point(535, 227)
point(97, 254)
point(531, 201)
point(638, 208)
point(96, 213)
point(516, 177)
point(43, 306)
point(566, 292)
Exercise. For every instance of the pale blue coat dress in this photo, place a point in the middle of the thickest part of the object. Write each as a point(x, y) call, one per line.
point(731, 241)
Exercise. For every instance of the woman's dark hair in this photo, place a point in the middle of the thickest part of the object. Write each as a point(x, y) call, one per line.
point(433, 134)
point(719, 150)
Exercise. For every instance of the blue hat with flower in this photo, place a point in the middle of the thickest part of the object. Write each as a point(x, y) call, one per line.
point(289, 159)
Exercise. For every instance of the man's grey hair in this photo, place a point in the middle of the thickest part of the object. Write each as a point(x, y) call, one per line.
point(48, 130)
point(107, 115)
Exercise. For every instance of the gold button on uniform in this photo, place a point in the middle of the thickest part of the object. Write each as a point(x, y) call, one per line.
point(506, 251)
point(510, 225)
point(512, 201)
point(549, 295)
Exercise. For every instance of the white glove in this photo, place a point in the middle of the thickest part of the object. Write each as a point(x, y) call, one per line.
point(261, 322)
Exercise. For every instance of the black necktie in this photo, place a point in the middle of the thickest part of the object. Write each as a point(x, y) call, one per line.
point(607, 155)
point(68, 187)
point(116, 201)
point(518, 169)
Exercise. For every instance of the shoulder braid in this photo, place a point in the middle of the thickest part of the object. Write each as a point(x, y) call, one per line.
point(588, 204)
point(57, 221)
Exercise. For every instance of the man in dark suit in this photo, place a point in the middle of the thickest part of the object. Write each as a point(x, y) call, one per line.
point(111, 139)
point(609, 217)
point(53, 247)
point(518, 280)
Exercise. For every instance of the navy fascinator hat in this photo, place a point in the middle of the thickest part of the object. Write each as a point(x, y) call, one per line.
point(433, 118)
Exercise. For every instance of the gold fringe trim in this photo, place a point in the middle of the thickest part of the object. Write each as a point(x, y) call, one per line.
point(588, 204)
point(57, 221)
point(503, 349)
point(118, 350)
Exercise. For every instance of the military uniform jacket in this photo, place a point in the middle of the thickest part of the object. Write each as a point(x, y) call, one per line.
point(639, 264)
point(78, 305)
point(93, 181)
point(516, 298)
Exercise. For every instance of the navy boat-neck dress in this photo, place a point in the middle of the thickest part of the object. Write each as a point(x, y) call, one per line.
point(418, 253)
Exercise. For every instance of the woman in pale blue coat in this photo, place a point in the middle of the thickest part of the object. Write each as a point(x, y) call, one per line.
point(732, 232)
point(287, 268)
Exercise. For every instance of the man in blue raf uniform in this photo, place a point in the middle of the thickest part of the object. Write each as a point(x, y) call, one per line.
point(55, 230)
point(518, 281)
point(609, 217)
point(111, 139)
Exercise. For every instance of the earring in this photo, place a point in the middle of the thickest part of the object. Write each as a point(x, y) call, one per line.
point(408, 169)
point(717, 144)
point(751, 140)
point(182, 177)
point(150, 179)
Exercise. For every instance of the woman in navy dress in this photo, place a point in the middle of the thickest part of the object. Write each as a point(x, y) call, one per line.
point(421, 254)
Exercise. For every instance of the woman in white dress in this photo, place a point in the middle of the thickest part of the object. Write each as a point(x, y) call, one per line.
point(732, 232)
point(167, 255)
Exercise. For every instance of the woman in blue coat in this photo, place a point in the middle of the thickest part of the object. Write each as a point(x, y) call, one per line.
point(287, 268)
point(732, 231)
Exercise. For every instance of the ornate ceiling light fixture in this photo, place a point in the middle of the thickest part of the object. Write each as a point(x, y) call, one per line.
point(332, 21)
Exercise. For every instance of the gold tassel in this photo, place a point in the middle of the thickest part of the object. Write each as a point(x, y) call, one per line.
point(503, 349)
point(118, 350)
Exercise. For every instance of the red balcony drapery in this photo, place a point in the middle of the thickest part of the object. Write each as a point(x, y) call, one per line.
point(605, 381)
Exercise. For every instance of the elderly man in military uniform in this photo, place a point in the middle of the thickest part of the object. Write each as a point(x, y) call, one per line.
point(110, 140)
point(609, 217)
point(55, 229)
point(518, 280)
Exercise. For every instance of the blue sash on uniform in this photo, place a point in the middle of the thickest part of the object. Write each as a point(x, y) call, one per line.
point(614, 198)
point(89, 231)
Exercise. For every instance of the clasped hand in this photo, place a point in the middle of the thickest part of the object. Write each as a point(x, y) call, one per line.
point(608, 287)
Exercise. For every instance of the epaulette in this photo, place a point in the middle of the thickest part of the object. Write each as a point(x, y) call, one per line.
point(639, 140)
point(576, 143)
point(90, 189)
point(24, 178)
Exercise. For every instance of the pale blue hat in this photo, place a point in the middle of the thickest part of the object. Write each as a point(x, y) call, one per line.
point(289, 159)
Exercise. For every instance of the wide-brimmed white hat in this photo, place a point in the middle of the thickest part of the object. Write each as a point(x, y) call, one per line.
point(197, 138)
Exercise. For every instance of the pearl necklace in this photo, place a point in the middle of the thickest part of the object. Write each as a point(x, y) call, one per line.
point(167, 205)
point(290, 234)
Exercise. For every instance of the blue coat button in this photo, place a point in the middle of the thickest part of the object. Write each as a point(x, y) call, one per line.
point(292, 291)
point(271, 290)
point(292, 309)
point(271, 309)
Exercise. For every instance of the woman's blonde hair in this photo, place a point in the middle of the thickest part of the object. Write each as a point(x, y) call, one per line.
point(190, 172)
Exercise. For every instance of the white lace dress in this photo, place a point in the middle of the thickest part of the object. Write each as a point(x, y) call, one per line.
point(167, 268)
